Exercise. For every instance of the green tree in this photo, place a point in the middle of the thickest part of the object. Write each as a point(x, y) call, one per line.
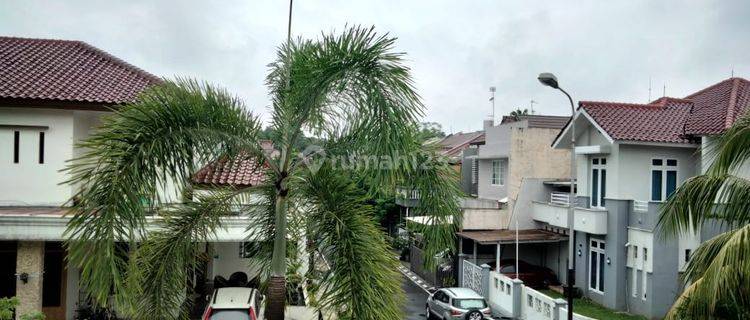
point(718, 274)
point(430, 130)
point(352, 90)
point(518, 113)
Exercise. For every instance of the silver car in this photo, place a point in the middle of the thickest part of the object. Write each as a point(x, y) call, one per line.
point(457, 303)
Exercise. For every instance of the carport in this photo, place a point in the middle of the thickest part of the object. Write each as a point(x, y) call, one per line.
point(507, 236)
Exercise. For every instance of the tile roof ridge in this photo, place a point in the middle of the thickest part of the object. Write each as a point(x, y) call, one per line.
point(120, 62)
point(614, 104)
point(715, 85)
point(729, 119)
point(39, 39)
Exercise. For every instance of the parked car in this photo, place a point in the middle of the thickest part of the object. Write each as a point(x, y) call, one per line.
point(234, 303)
point(456, 303)
point(533, 276)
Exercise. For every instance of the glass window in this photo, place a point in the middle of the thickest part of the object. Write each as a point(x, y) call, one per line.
point(16, 143)
point(498, 172)
point(233, 314)
point(593, 272)
point(595, 187)
point(596, 266)
point(671, 162)
point(603, 188)
point(656, 162)
point(656, 185)
point(469, 303)
point(635, 252)
point(671, 182)
point(595, 161)
point(645, 254)
point(687, 255)
point(604, 161)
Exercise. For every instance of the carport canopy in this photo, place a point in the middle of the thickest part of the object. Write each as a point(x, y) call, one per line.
point(506, 236)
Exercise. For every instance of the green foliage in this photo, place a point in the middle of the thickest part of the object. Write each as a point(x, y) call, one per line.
point(33, 316)
point(430, 130)
point(7, 305)
point(718, 273)
point(518, 113)
point(352, 91)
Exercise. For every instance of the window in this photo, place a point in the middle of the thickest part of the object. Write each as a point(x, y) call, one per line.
point(474, 170)
point(41, 147)
point(663, 178)
point(16, 143)
point(645, 254)
point(596, 266)
point(248, 248)
point(687, 255)
point(498, 172)
point(598, 182)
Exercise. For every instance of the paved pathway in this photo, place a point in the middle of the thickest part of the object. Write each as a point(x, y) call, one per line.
point(415, 300)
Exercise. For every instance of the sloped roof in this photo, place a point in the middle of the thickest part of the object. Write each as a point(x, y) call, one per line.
point(454, 144)
point(238, 171)
point(659, 121)
point(718, 106)
point(68, 71)
point(540, 121)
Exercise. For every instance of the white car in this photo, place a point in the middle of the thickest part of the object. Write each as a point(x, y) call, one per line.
point(234, 303)
point(457, 303)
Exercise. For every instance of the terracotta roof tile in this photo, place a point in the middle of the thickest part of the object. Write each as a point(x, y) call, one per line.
point(718, 106)
point(659, 121)
point(62, 70)
point(240, 171)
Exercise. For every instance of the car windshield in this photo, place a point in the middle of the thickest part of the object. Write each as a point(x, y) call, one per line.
point(469, 303)
point(237, 314)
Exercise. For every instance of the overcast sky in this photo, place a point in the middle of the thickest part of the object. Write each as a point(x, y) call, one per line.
point(600, 50)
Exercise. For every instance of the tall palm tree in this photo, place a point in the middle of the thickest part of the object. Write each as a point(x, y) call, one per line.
point(718, 274)
point(350, 89)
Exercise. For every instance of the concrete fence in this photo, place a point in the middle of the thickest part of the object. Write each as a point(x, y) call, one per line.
point(510, 297)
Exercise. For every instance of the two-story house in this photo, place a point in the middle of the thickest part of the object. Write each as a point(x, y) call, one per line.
point(53, 94)
point(630, 158)
point(514, 165)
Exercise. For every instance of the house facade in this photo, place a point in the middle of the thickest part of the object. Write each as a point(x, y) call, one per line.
point(53, 94)
point(630, 158)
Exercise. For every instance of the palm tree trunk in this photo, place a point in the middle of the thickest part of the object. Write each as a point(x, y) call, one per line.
point(277, 284)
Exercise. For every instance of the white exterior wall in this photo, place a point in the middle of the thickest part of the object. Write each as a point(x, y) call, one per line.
point(486, 190)
point(635, 169)
point(32, 183)
point(226, 260)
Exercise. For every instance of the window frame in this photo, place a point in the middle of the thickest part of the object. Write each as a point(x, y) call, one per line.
point(498, 180)
point(600, 165)
point(665, 169)
point(595, 248)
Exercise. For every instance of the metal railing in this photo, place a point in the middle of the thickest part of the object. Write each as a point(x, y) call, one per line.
point(559, 198)
point(640, 206)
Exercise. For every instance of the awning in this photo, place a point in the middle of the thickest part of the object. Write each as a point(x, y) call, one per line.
point(509, 236)
point(428, 220)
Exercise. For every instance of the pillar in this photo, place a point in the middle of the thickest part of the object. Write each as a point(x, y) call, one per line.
point(29, 264)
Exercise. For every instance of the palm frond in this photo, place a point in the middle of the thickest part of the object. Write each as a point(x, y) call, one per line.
point(731, 149)
point(140, 148)
point(158, 278)
point(721, 274)
point(722, 198)
point(363, 282)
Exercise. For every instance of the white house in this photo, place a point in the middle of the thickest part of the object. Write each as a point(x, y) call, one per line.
point(53, 93)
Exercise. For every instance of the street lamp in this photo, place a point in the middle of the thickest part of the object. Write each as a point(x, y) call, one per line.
point(550, 80)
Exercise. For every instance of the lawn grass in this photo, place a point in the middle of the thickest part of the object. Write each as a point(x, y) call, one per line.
point(586, 307)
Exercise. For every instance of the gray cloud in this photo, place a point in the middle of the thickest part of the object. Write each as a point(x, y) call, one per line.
point(457, 49)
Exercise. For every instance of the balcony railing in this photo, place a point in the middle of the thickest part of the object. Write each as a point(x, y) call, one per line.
point(559, 198)
point(592, 221)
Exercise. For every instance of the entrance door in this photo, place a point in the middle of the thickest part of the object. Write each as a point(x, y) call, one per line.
point(8, 252)
point(54, 281)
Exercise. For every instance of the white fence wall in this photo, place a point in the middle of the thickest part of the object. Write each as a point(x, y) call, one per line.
point(510, 298)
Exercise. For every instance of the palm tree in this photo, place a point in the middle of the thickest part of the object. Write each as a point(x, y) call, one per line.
point(718, 274)
point(518, 113)
point(350, 89)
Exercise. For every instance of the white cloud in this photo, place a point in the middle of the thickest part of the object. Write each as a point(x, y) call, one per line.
point(457, 49)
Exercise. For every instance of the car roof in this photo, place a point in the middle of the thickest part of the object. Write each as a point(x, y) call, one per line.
point(462, 293)
point(233, 298)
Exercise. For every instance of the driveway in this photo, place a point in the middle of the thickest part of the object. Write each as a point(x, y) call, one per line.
point(415, 299)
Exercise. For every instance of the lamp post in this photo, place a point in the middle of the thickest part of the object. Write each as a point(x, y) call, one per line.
point(550, 80)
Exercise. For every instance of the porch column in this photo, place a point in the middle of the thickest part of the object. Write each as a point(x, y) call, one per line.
point(29, 265)
point(474, 253)
point(498, 252)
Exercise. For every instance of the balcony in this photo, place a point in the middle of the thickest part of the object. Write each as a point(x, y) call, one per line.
point(407, 197)
point(555, 212)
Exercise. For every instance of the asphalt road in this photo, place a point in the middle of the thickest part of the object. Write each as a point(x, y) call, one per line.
point(415, 299)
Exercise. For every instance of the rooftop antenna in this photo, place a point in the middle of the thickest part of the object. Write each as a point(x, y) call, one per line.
point(732, 72)
point(664, 90)
point(531, 105)
point(649, 89)
point(492, 99)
